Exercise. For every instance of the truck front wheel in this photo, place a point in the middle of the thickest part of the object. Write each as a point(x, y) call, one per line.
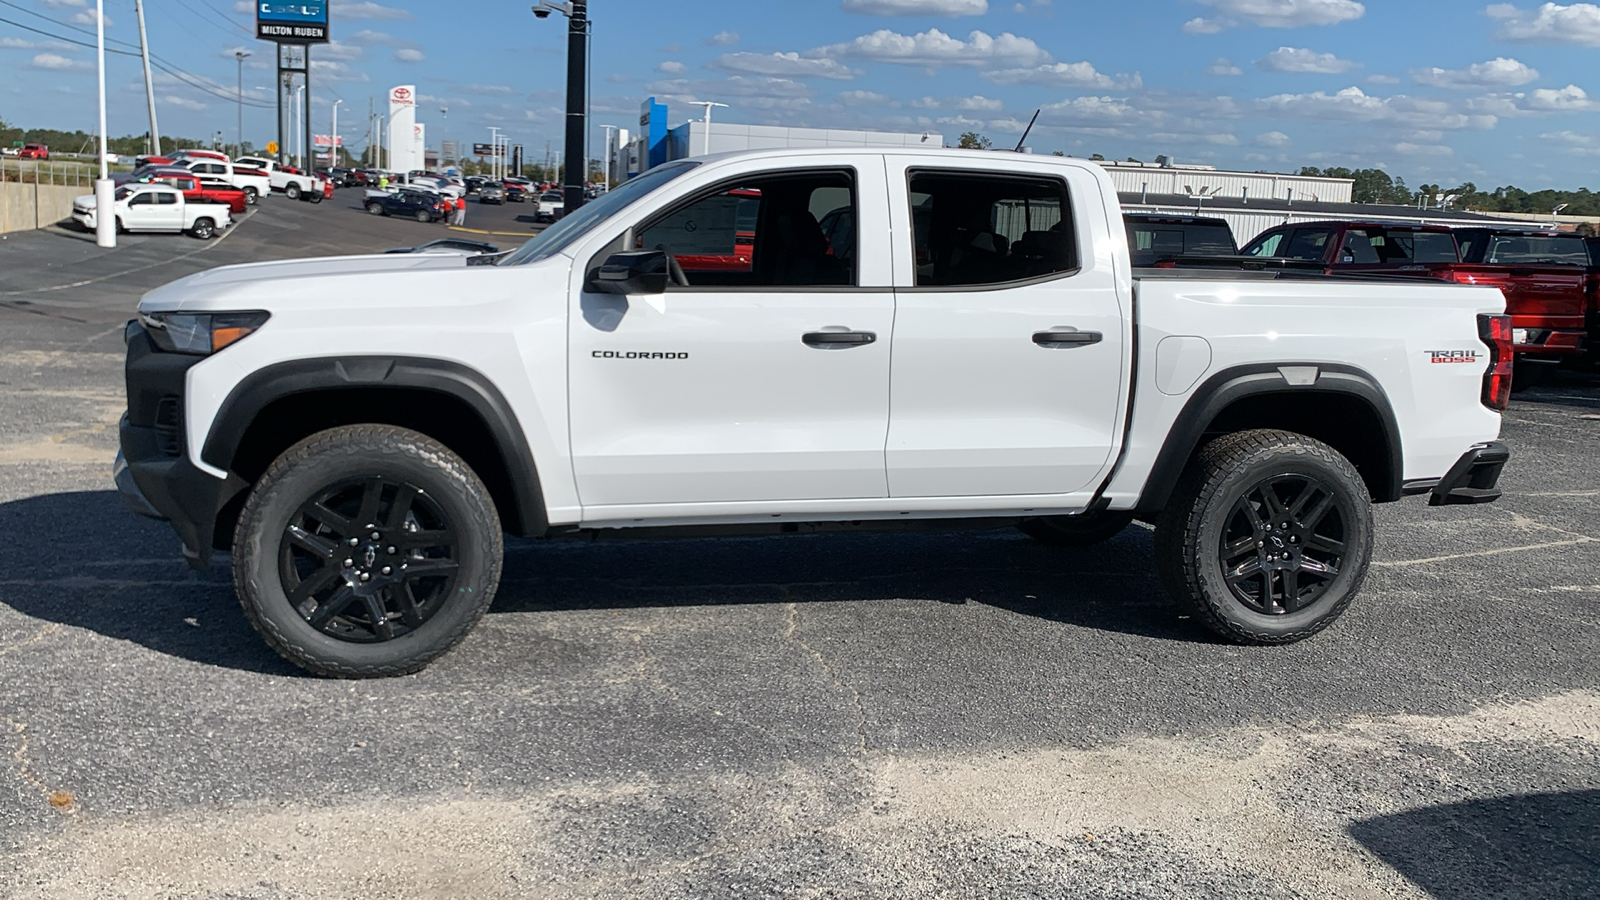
point(367, 551)
point(1266, 538)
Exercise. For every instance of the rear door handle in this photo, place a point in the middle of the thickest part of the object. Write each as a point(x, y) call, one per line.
point(838, 340)
point(1067, 338)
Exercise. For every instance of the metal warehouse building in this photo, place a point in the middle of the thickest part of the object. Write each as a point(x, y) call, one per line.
point(1248, 218)
point(1163, 178)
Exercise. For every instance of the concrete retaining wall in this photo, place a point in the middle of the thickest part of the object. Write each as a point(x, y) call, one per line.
point(24, 207)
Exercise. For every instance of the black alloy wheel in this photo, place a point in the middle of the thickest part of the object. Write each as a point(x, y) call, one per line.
point(1284, 544)
point(368, 560)
point(205, 229)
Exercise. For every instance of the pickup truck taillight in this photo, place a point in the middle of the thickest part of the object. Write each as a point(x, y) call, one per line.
point(1495, 332)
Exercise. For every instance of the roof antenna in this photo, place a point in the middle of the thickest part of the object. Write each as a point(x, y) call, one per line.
point(1028, 130)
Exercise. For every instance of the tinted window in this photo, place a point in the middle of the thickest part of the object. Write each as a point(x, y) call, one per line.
point(1358, 248)
point(1265, 246)
point(763, 233)
point(1537, 250)
point(1152, 242)
point(167, 199)
point(979, 229)
point(1308, 243)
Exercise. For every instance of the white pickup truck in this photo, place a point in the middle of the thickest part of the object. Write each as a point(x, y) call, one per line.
point(294, 185)
point(254, 182)
point(787, 341)
point(156, 207)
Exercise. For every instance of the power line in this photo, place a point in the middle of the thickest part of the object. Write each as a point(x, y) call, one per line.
point(186, 77)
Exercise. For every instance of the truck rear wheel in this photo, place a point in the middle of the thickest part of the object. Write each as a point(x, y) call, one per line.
point(251, 195)
point(292, 192)
point(1083, 530)
point(204, 229)
point(367, 551)
point(1267, 537)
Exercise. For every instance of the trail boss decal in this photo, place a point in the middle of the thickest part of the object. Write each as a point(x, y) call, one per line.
point(629, 354)
point(1447, 357)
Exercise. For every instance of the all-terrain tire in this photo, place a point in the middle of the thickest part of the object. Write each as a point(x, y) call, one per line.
point(1083, 530)
point(361, 454)
point(1213, 496)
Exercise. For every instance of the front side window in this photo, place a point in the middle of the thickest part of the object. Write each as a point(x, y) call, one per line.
point(575, 225)
point(1309, 243)
point(1265, 246)
point(766, 231)
point(973, 229)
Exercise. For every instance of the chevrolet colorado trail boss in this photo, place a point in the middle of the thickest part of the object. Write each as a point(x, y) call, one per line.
point(360, 432)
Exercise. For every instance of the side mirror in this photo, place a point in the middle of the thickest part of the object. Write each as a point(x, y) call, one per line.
point(635, 272)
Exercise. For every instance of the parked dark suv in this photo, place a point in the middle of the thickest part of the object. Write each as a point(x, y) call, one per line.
point(416, 204)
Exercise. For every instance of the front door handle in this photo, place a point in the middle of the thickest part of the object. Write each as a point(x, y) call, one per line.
point(1067, 338)
point(838, 340)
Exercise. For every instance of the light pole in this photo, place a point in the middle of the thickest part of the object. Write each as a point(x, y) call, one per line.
point(105, 213)
point(333, 139)
point(577, 13)
point(708, 104)
point(494, 161)
point(240, 55)
point(610, 154)
point(300, 142)
point(1556, 212)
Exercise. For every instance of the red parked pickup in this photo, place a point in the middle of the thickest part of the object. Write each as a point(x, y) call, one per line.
point(34, 151)
point(1546, 302)
point(196, 188)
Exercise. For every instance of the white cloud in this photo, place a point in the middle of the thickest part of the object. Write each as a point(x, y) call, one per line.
point(1551, 23)
point(87, 18)
point(1067, 75)
point(1382, 79)
point(723, 39)
point(55, 62)
point(339, 51)
point(409, 55)
point(1272, 139)
point(783, 65)
point(1354, 105)
point(1224, 68)
point(943, 8)
point(1300, 60)
point(1498, 72)
point(934, 48)
point(1568, 99)
point(672, 67)
point(1201, 26)
point(11, 43)
point(352, 9)
point(1408, 148)
point(864, 98)
point(66, 4)
point(976, 103)
point(1278, 13)
point(183, 103)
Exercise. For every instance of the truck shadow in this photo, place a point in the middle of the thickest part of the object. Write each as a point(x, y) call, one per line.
point(83, 560)
point(1531, 845)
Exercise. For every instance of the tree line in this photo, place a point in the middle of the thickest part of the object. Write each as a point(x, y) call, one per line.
point(1376, 186)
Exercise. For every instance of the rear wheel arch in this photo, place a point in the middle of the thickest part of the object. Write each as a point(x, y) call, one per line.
point(278, 406)
point(1345, 408)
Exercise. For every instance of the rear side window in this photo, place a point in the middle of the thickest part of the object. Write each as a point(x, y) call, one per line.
point(972, 229)
point(1152, 242)
point(1358, 248)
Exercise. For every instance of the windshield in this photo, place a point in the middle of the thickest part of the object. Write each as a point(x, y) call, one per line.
point(1537, 250)
point(570, 228)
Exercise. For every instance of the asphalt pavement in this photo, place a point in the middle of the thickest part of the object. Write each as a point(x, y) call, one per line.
point(931, 715)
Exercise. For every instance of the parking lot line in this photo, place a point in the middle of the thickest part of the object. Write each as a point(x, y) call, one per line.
point(224, 235)
point(481, 231)
point(1402, 563)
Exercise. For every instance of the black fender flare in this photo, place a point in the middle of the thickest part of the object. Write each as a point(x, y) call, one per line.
point(268, 385)
point(1261, 379)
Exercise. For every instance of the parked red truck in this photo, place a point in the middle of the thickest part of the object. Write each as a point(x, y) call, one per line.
point(1547, 301)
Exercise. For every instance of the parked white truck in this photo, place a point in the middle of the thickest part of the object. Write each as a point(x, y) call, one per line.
point(963, 342)
point(294, 185)
point(254, 182)
point(156, 207)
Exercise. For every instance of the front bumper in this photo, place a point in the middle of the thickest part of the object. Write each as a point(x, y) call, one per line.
point(1475, 477)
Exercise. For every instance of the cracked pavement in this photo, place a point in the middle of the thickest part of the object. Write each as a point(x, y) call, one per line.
point(947, 715)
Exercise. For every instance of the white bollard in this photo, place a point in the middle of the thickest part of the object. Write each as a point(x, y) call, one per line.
point(105, 213)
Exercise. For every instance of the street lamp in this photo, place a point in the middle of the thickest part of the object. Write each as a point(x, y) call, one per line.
point(708, 104)
point(1556, 212)
point(240, 55)
point(299, 146)
point(333, 139)
point(577, 13)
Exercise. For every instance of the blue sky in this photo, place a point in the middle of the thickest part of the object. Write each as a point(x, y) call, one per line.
point(1433, 90)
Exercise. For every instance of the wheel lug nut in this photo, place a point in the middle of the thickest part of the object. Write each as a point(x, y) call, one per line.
point(366, 576)
point(388, 571)
point(376, 535)
point(349, 562)
point(391, 551)
point(355, 541)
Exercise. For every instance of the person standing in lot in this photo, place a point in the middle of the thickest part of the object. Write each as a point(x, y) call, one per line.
point(461, 211)
point(383, 182)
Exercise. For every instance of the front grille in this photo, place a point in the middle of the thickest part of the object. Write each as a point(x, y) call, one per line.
point(169, 425)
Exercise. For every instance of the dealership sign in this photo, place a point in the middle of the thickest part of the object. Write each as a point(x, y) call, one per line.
point(302, 22)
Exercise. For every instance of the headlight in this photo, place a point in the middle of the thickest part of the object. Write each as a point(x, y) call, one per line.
point(200, 334)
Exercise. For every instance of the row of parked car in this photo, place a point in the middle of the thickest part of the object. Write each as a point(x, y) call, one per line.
point(1550, 278)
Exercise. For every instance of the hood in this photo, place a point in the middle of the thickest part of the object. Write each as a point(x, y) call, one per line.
point(330, 281)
